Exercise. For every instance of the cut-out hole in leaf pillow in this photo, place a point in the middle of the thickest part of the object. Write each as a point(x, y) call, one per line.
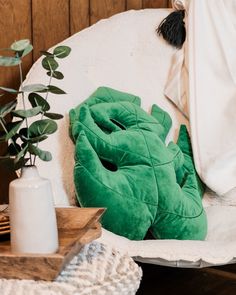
point(123, 164)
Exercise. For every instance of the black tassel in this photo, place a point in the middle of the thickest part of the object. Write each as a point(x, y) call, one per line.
point(172, 28)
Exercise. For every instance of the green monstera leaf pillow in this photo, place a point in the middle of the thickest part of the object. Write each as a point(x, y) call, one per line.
point(123, 164)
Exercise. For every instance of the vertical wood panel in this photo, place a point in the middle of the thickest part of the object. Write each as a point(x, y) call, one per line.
point(15, 24)
point(155, 3)
point(50, 23)
point(79, 15)
point(169, 4)
point(105, 8)
point(134, 4)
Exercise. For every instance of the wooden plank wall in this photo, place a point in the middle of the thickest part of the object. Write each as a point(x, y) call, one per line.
point(46, 23)
point(49, 22)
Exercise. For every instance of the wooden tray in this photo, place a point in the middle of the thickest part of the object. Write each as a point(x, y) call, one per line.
point(76, 227)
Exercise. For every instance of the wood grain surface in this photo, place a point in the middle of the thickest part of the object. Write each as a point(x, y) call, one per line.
point(134, 4)
point(79, 15)
point(155, 3)
point(76, 227)
point(50, 23)
point(15, 24)
point(105, 8)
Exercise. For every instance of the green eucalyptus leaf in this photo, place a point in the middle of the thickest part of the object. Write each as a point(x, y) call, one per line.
point(34, 88)
point(37, 138)
point(46, 53)
point(42, 127)
point(53, 116)
point(11, 90)
point(43, 155)
point(20, 45)
point(55, 90)
point(27, 113)
point(24, 137)
point(12, 128)
point(21, 163)
point(56, 75)
point(61, 51)
point(9, 61)
point(21, 154)
point(27, 50)
point(49, 63)
point(37, 100)
point(7, 108)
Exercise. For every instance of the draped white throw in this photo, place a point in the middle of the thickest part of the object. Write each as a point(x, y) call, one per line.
point(207, 65)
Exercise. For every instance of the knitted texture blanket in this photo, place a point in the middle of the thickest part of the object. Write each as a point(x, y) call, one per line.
point(97, 269)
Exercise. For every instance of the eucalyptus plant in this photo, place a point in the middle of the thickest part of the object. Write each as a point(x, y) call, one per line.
point(22, 136)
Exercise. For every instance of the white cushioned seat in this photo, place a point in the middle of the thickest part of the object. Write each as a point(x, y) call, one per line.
point(124, 52)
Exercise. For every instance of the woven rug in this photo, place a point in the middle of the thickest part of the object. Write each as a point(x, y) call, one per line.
point(97, 269)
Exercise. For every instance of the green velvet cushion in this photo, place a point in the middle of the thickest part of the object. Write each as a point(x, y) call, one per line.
point(123, 164)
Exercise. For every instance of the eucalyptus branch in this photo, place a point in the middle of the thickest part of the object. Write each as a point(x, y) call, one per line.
point(49, 84)
point(46, 98)
point(23, 101)
point(2, 123)
point(32, 133)
point(50, 80)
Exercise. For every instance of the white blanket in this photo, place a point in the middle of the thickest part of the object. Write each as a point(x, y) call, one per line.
point(209, 59)
point(97, 269)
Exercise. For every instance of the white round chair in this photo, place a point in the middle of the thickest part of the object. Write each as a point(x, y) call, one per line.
point(125, 53)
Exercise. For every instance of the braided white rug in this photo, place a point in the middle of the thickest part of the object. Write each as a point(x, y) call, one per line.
point(97, 270)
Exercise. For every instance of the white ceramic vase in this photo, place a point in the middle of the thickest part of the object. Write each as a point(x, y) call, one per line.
point(32, 214)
